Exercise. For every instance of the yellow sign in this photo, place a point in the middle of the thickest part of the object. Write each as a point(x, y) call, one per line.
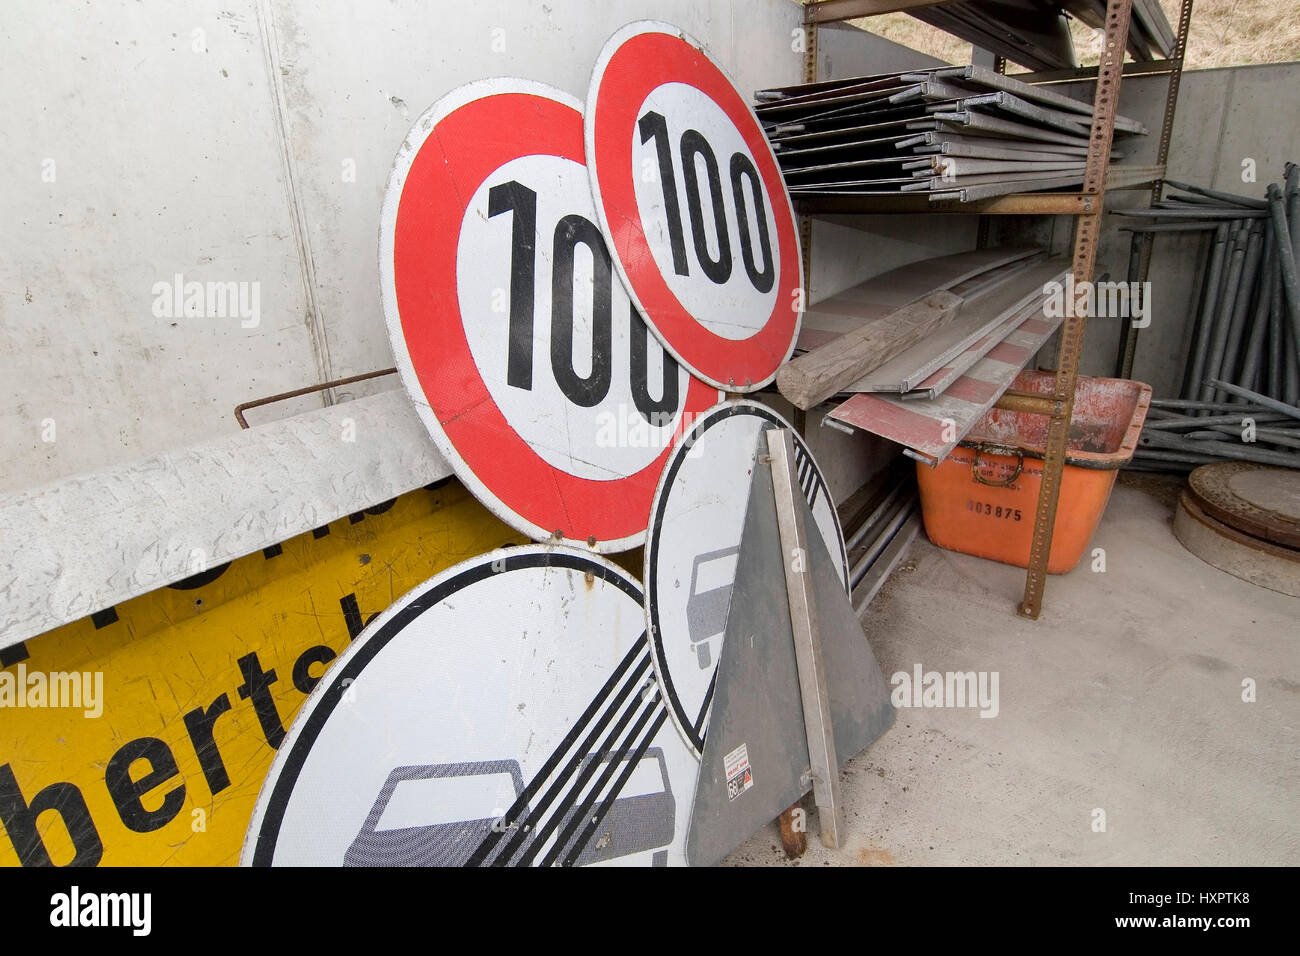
point(195, 685)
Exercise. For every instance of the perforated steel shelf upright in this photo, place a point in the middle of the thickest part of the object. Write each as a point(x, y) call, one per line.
point(1085, 205)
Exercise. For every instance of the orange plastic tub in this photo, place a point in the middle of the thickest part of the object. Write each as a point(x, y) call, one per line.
point(982, 498)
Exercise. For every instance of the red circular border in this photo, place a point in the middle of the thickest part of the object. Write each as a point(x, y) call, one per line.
point(457, 156)
point(640, 65)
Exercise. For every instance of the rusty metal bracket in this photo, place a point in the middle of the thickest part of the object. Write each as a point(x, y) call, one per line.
point(1031, 402)
point(1087, 229)
point(991, 449)
point(282, 396)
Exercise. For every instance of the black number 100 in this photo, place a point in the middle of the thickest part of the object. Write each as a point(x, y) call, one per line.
point(693, 146)
point(570, 232)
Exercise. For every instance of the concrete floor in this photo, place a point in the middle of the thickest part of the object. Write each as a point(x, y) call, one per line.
point(1125, 697)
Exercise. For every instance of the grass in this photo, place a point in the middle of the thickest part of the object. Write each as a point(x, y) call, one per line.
point(1223, 33)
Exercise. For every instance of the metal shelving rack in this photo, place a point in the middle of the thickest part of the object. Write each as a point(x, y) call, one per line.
point(1085, 205)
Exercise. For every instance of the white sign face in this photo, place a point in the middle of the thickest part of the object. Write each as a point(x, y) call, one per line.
point(580, 361)
point(682, 228)
point(504, 713)
point(693, 545)
point(526, 360)
point(693, 203)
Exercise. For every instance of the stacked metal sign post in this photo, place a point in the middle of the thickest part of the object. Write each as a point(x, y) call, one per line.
point(1240, 397)
point(531, 706)
point(1097, 125)
point(952, 133)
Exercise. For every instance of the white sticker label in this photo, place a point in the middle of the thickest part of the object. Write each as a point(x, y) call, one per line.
point(739, 777)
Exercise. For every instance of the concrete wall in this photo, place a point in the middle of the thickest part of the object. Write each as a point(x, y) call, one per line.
point(1224, 117)
point(249, 141)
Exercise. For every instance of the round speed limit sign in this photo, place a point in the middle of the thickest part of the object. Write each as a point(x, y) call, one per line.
point(525, 358)
point(693, 204)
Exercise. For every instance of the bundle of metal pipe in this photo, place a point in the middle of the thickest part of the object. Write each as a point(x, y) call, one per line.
point(962, 133)
point(1240, 396)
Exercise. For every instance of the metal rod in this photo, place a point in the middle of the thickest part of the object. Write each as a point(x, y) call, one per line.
point(1232, 198)
point(1277, 326)
point(1164, 440)
point(873, 519)
point(1251, 360)
point(1127, 348)
point(1290, 386)
point(282, 396)
point(1205, 322)
point(1286, 258)
point(1014, 401)
point(1189, 403)
point(1237, 323)
point(1222, 318)
point(1289, 410)
point(1155, 454)
point(1206, 213)
point(897, 517)
point(809, 656)
point(1169, 226)
point(1183, 421)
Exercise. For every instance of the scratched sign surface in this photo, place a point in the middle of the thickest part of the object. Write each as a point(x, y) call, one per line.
point(503, 713)
point(198, 682)
point(537, 379)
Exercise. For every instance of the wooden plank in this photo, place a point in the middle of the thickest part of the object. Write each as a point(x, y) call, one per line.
point(817, 375)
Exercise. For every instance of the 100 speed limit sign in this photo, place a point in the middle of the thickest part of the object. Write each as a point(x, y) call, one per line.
point(692, 201)
point(525, 358)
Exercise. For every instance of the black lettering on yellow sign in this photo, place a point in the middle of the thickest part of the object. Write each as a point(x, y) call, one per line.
point(128, 791)
point(143, 779)
point(63, 799)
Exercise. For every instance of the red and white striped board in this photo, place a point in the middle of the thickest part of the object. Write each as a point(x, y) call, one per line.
point(1027, 319)
point(931, 428)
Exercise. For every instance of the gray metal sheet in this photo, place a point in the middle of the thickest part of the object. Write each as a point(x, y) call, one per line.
point(984, 77)
point(960, 120)
point(756, 700)
point(938, 382)
point(88, 542)
point(878, 296)
point(977, 320)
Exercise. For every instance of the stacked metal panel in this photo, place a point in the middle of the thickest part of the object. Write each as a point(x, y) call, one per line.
point(1035, 34)
point(962, 133)
point(1241, 386)
point(929, 396)
point(1150, 34)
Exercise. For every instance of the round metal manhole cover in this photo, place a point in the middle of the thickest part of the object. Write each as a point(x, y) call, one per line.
point(1259, 500)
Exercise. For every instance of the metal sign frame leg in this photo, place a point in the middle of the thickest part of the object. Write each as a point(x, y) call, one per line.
point(825, 765)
